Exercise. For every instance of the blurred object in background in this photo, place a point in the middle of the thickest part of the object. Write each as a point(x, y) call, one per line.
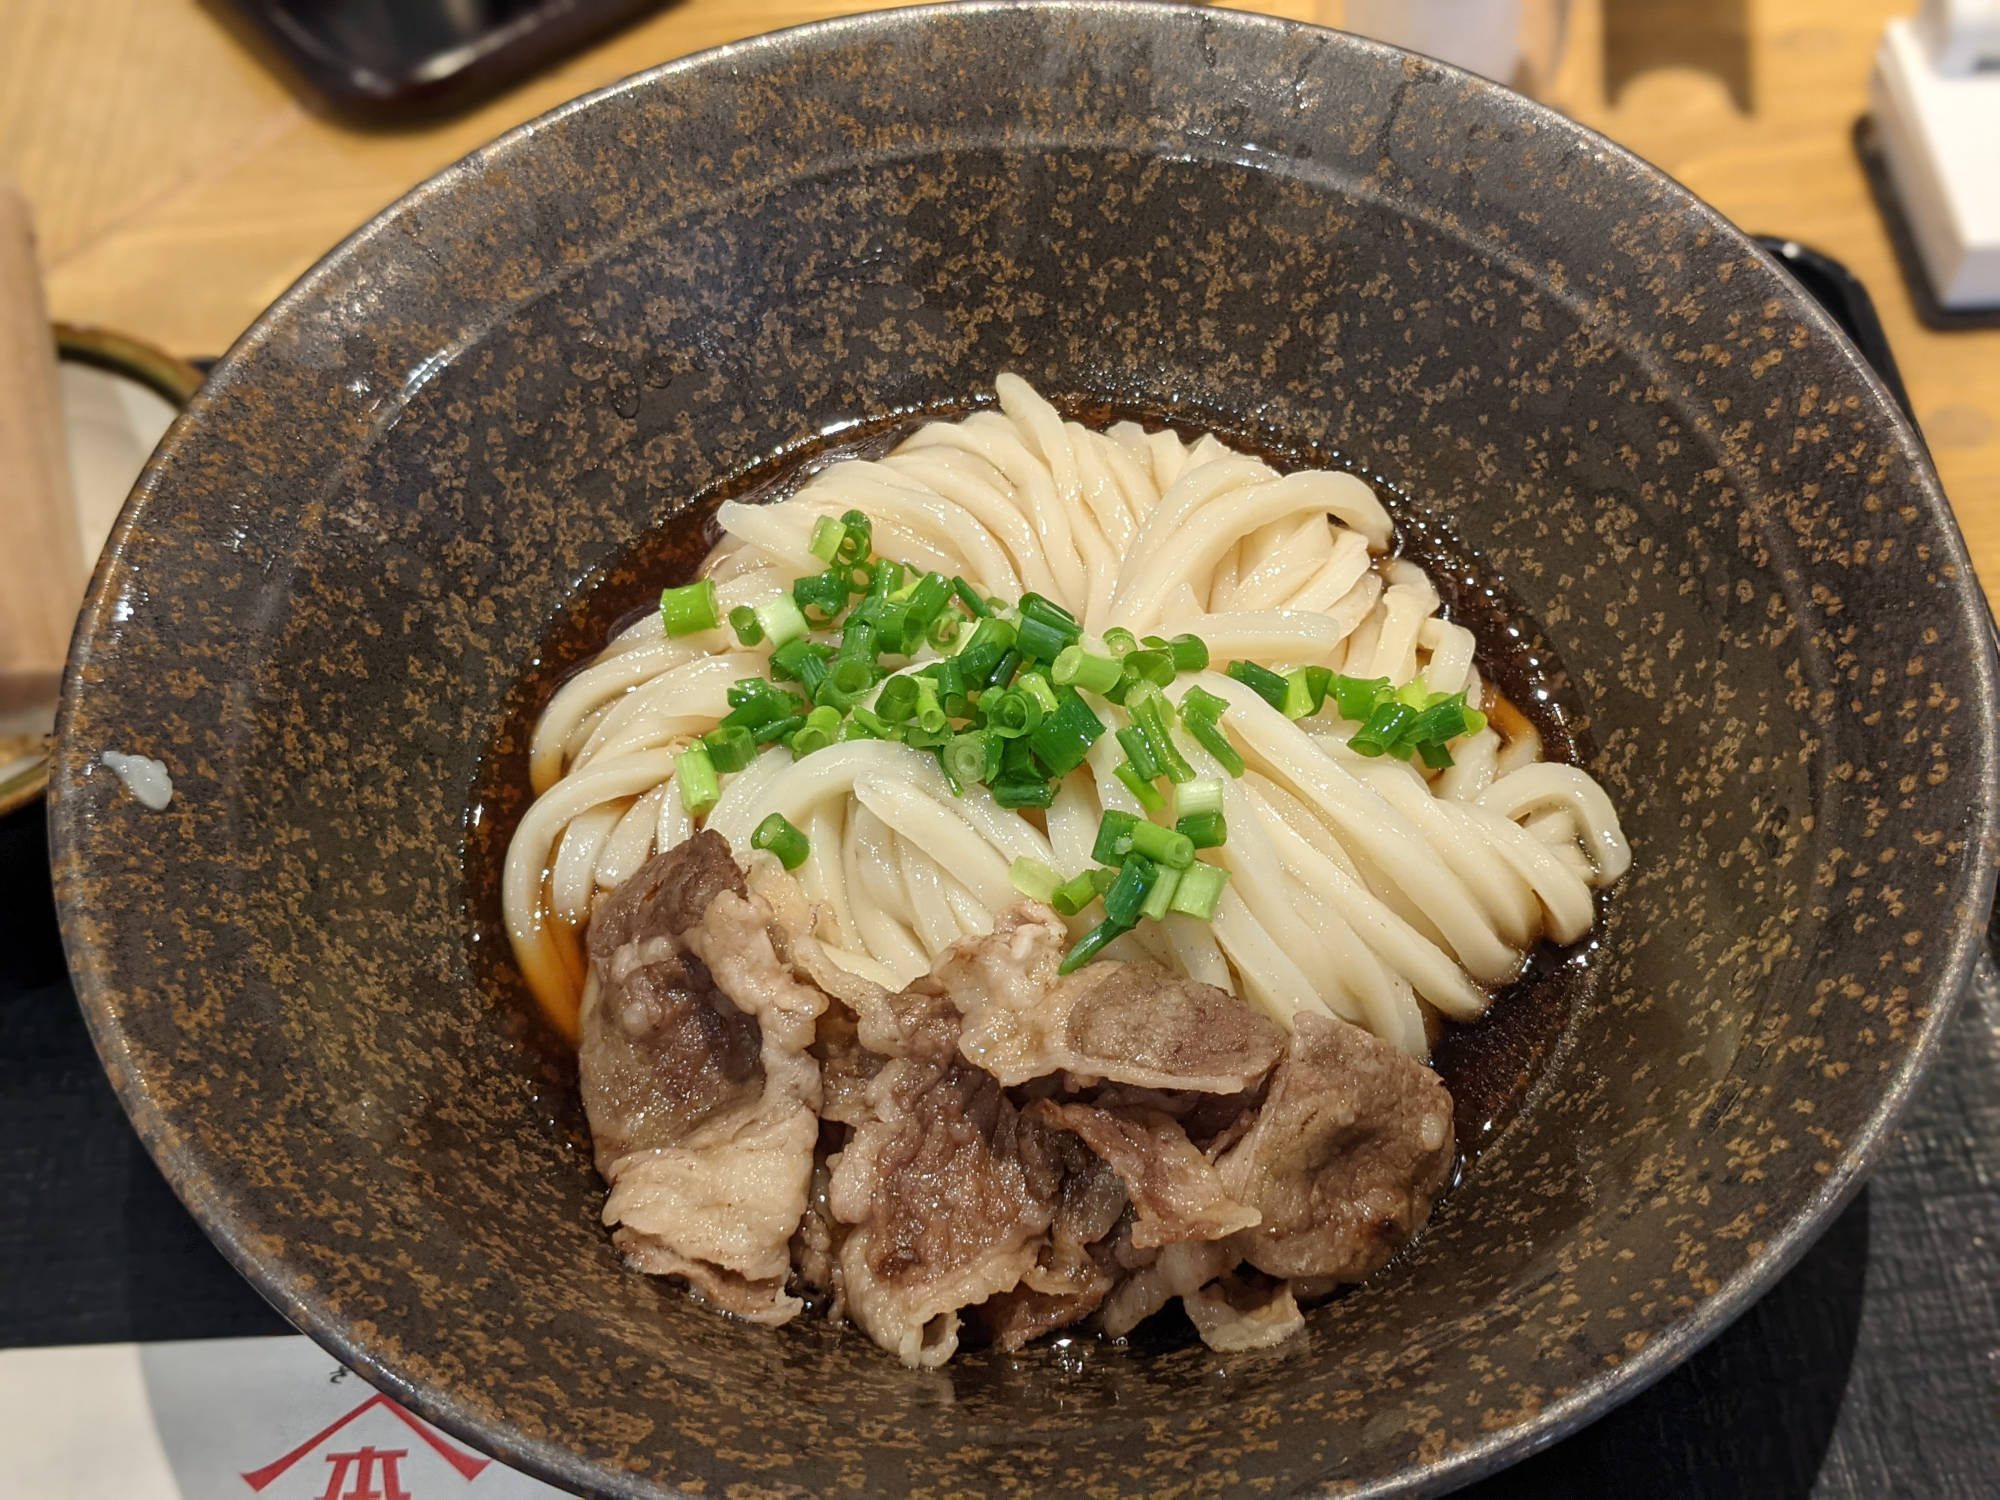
point(385, 61)
point(1935, 102)
point(1517, 42)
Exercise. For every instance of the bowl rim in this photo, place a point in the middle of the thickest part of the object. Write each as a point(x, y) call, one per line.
point(208, 1201)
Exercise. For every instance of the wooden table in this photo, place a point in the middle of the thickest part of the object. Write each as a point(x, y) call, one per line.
point(180, 188)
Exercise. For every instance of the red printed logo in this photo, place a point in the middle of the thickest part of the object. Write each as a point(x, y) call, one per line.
point(367, 1472)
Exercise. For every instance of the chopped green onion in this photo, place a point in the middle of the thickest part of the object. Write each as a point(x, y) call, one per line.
point(1356, 697)
point(859, 538)
point(1076, 667)
point(824, 594)
point(730, 748)
point(781, 619)
point(1004, 670)
point(965, 758)
point(1318, 680)
point(1138, 749)
point(1202, 795)
point(1298, 696)
point(1262, 681)
point(846, 682)
point(944, 630)
point(1140, 787)
point(858, 639)
point(1038, 640)
point(1156, 667)
point(1199, 891)
point(753, 701)
point(1129, 891)
point(1036, 607)
point(1036, 686)
point(1156, 716)
point(990, 641)
point(969, 597)
point(1102, 879)
point(1031, 791)
point(930, 712)
point(1065, 736)
point(897, 701)
point(1190, 653)
point(1114, 837)
point(1120, 642)
point(1034, 879)
point(777, 834)
point(888, 579)
point(1165, 846)
point(778, 729)
point(1384, 730)
point(1209, 735)
point(1162, 893)
point(812, 669)
point(827, 535)
point(1090, 944)
point(693, 607)
point(1012, 713)
point(1204, 830)
point(696, 774)
point(1413, 694)
point(872, 724)
point(1199, 703)
point(743, 620)
point(1072, 896)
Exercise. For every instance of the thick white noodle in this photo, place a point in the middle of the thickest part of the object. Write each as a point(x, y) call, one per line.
point(1371, 889)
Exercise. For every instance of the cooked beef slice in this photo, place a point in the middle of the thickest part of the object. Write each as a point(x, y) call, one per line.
point(1350, 1148)
point(947, 1190)
point(1176, 1192)
point(1132, 1023)
point(702, 1098)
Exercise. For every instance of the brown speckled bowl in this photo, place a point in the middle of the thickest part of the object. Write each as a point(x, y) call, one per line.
point(326, 586)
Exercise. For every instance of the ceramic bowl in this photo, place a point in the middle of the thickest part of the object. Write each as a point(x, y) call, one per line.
point(320, 606)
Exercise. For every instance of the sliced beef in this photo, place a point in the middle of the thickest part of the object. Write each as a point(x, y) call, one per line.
point(1235, 1313)
point(1157, 1277)
point(1346, 1155)
point(1076, 1269)
point(1176, 1192)
point(948, 1192)
point(702, 1098)
point(1131, 1023)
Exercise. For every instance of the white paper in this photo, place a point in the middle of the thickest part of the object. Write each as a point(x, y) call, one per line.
point(263, 1419)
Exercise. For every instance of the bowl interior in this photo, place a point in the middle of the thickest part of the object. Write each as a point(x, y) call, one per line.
point(350, 551)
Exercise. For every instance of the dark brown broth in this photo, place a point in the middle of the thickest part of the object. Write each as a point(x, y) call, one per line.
point(1491, 1067)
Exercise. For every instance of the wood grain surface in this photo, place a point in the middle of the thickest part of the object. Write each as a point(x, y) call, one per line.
point(180, 187)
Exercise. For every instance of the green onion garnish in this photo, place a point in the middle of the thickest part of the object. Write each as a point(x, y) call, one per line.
point(1190, 653)
point(730, 747)
point(1202, 795)
point(1128, 892)
point(696, 774)
point(1204, 830)
point(827, 535)
point(1140, 787)
point(1074, 895)
point(1034, 879)
point(1114, 837)
point(685, 610)
point(1120, 642)
point(1076, 667)
point(777, 834)
point(1198, 892)
point(1383, 733)
point(965, 758)
point(1298, 695)
point(1088, 946)
point(1138, 747)
point(1356, 697)
point(743, 620)
point(859, 539)
point(781, 619)
point(1165, 846)
point(1150, 665)
point(1157, 899)
point(1262, 681)
point(1064, 738)
point(969, 597)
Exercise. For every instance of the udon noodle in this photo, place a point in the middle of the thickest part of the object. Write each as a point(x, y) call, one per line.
point(1368, 888)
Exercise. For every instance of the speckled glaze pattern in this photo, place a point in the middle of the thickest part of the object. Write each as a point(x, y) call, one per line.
point(347, 551)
